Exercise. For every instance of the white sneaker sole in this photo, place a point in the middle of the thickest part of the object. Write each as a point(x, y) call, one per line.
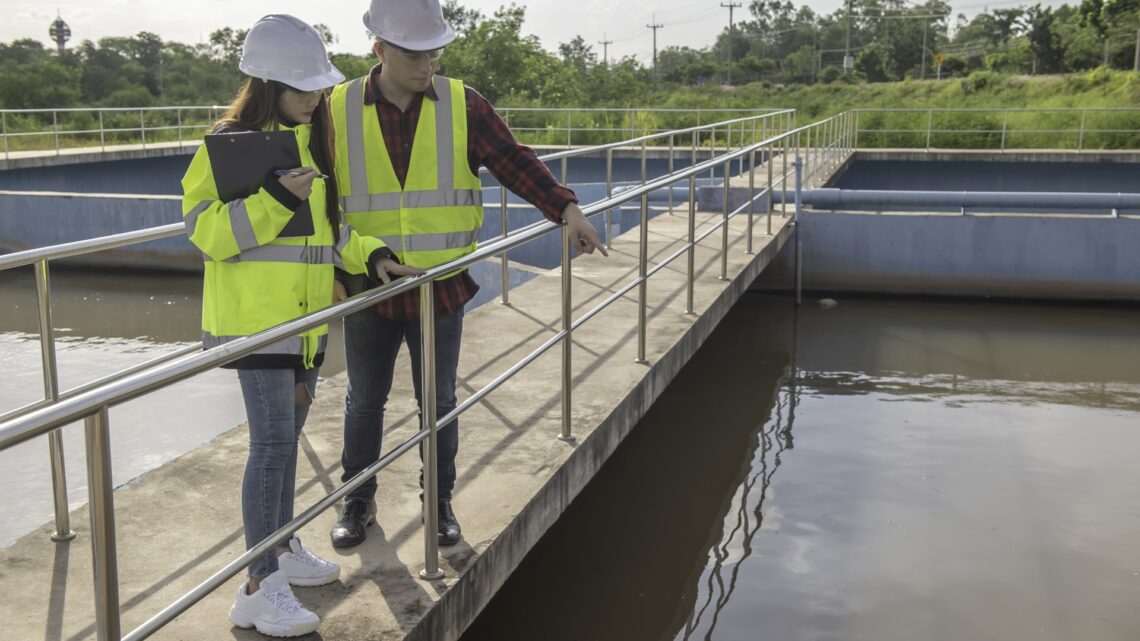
point(314, 581)
point(273, 629)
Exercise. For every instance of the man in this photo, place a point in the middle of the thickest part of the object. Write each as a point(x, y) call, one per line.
point(399, 131)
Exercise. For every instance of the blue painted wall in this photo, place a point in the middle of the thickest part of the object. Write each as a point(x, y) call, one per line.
point(991, 176)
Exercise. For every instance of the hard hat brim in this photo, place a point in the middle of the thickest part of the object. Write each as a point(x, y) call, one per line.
point(323, 81)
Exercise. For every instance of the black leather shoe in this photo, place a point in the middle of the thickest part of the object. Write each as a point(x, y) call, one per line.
point(449, 532)
point(350, 529)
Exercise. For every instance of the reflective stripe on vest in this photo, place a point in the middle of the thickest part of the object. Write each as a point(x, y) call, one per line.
point(302, 254)
point(413, 200)
point(191, 217)
point(292, 346)
point(432, 242)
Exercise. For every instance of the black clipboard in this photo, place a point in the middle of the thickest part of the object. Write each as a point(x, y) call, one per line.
point(241, 161)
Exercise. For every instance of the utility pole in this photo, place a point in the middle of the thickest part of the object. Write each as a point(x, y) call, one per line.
point(1136, 56)
point(605, 50)
point(848, 63)
point(730, 6)
point(922, 73)
point(655, 27)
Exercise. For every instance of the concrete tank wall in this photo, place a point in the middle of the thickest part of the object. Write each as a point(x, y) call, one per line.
point(1022, 256)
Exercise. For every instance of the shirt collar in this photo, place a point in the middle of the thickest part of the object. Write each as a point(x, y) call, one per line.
point(372, 94)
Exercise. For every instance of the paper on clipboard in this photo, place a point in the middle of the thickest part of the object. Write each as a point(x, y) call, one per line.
point(242, 160)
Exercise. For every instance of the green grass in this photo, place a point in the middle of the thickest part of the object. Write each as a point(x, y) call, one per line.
point(1101, 88)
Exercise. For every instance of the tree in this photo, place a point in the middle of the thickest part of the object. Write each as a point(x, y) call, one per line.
point(497, 59)
point(1044, 42)
point(577, 54)
point(326, 34)
point(1007, 24)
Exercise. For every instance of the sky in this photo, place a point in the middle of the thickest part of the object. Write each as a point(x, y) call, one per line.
point(692, 23)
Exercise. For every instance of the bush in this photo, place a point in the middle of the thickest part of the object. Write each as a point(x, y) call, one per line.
point(830, 74)
point(979, 81)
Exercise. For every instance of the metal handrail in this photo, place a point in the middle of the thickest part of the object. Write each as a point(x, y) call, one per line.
point(92, 405)
point(1080, 131)
point(55, 131)
point(89, 246)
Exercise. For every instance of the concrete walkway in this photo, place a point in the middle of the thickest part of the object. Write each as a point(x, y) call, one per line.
point(180, 523)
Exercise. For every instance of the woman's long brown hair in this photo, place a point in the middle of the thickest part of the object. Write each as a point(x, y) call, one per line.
point(255, 109)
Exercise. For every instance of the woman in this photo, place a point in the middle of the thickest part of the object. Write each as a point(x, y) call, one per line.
point(259, 274)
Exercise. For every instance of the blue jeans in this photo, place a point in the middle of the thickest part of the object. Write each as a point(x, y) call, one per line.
point(275, 422)
point(371, 343)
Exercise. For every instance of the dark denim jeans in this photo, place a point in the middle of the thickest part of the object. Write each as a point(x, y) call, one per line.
point(275, 422)
point(371, 343)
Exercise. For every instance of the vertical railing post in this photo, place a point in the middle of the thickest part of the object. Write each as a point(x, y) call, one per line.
point(1004, 123)
point(178, 119)
point(642, 271)
point(692, 243)
point(4, 125)
point(643, 152)
point(784, 176)
point(55, 130)
point(856, 144)
point(609, 194)
point(101, 505)
point(724, 227)
point(1080, 140)
point(102, 133)
point(142, 127)
point(740, 164)
point(428, 416)
point(505, 299)
point(671, 173)
point(569, 130)
point(63, 531)
point(566, 434)
point(769, 162)
point(799, 240)
point(693, 156)
point(929, 123)
point(751, 197)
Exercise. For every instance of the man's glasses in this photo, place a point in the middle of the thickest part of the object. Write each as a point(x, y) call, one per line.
point(416, 57)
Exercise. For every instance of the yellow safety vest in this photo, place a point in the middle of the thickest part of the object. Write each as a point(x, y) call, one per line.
point(255, 280)
point(435, 216)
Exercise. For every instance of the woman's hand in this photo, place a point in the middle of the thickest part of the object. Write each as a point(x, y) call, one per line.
point(387, 269)
point(339, 292)
point(300, 185)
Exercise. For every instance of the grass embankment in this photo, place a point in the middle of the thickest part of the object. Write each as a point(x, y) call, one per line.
point(1003, 94)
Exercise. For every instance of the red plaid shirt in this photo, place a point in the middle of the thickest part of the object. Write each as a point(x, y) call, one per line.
point(489, 143)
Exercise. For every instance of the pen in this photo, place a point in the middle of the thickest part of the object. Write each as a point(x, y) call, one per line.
point(286, 172)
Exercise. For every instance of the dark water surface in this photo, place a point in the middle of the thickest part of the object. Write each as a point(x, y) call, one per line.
point(881, 470)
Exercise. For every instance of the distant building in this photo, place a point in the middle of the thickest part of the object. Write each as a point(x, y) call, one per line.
point(60, 33)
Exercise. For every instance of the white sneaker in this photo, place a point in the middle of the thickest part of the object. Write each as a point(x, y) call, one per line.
point(305, 568)
point(273, 609)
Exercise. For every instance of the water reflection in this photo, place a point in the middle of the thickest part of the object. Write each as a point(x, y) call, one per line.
point(745, 520)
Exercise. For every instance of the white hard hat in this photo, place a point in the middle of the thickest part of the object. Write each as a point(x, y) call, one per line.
point(416, 25)
point(288, 50)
